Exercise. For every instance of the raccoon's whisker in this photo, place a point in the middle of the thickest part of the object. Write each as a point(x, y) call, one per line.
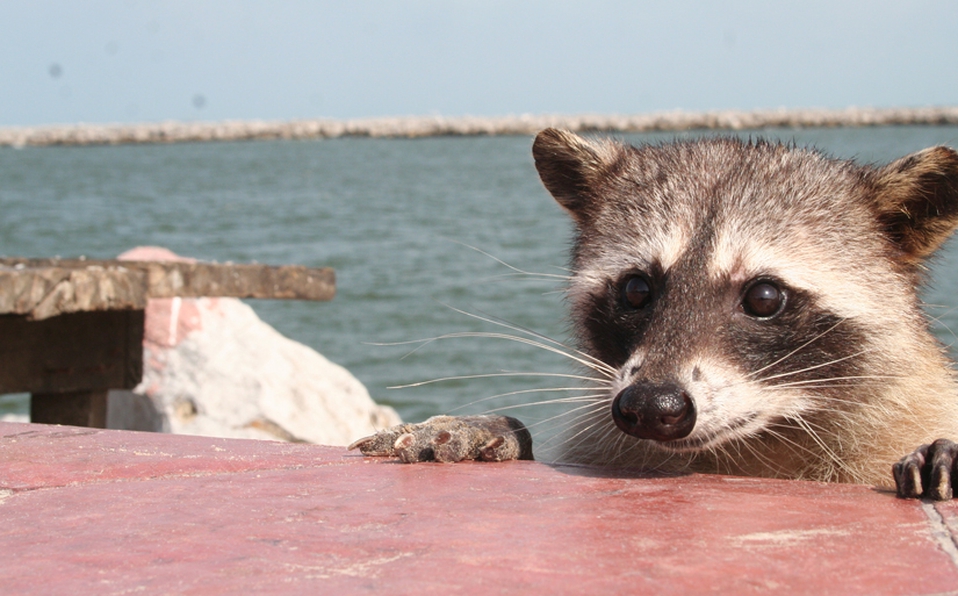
point(814, 367)
point(587, 421)
point(796, 447)
point(503, 374)
point(823, 401)
point(724, 453)
point(558, 439)
point(582, 414)
point(840, 463)
point(804, 425)
point(809, 425)
point(829, 382)
point(525, 392)
point(752, 449)
point(573, 354)
point(620, 450)
point(791, 445)
point(508, 266)
point(588, 399)
point(487, 318)
point(588, 413)
point(608, 442)
point(525, 275)
point(829, 386)
point(689, 458)
point(576, 355)
point(578, 413)
point(419, 343)
point(796, 350)
point(832, 456)
point(545, 343)
point(595, 405)
point(937, 320)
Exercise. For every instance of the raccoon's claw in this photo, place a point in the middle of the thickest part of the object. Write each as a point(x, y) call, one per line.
point(451, 439)
point(928, 471)
point(379, 444)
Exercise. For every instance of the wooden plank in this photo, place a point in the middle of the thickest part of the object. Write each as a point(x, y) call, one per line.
point(45, 292)
point(72, 352)
point(42, 288)
point(77, 408)
point(288, 282)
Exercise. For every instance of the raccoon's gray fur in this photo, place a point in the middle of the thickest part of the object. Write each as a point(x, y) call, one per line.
point(755, 308)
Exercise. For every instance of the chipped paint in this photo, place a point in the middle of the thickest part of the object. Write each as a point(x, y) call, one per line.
point(785, 537)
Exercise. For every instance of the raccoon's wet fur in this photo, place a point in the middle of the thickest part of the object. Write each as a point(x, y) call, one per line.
point(754, 309)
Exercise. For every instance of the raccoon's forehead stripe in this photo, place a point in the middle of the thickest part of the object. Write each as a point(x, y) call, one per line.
point(672, 245)
point(641, 253)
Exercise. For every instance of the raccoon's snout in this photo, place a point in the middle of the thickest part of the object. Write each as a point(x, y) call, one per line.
point(661, 412)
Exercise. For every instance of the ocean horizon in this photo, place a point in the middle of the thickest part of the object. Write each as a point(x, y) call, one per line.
point(173, 131)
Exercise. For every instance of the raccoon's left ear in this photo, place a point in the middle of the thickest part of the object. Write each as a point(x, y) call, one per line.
point(573, 168)
point(917, 200)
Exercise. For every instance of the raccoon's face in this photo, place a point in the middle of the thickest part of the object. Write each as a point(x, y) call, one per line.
point(719, 343)
point(738, 287)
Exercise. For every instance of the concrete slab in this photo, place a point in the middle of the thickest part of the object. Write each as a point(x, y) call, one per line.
point(110, 512)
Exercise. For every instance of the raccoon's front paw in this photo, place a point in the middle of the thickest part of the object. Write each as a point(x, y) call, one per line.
point(928, 471)
point(452, 439)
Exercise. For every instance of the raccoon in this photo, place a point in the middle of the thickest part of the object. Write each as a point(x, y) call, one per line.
point(752, 308)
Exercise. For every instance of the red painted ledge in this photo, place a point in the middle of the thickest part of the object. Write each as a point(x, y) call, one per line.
point(109, 512)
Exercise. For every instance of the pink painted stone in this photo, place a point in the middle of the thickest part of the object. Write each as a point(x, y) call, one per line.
point(168, 320)
point(110, 512)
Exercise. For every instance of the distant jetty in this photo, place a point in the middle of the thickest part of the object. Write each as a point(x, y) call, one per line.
point(428, 126)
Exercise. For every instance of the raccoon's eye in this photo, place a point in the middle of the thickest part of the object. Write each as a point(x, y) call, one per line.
point(636, 292)
point(763, 299)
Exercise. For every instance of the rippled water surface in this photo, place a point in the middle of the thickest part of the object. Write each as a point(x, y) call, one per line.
point(400, 221)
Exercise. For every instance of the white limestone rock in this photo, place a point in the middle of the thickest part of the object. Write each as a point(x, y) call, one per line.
point(212, 367)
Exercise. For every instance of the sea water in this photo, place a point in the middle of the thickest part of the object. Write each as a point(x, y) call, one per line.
point(429, 237)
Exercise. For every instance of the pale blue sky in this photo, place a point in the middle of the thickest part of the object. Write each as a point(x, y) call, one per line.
point(64, 61)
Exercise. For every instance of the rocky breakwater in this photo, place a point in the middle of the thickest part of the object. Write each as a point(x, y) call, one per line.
point(212, 367)
point(424, 126)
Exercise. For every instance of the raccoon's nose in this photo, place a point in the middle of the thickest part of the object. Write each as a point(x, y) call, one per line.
point(661, 412)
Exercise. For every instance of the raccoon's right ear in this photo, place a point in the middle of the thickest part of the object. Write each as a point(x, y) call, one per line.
point(917, 201)
point(572, 167)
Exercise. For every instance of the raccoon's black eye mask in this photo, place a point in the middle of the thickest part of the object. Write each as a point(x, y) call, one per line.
point(762, 299)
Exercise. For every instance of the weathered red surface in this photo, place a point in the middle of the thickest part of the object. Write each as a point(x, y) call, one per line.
point(99, 511)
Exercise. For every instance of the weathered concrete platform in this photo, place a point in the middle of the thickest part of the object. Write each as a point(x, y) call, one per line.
point(108, 512)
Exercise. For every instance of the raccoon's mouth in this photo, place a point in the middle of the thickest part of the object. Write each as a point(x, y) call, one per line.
point(708, 439)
